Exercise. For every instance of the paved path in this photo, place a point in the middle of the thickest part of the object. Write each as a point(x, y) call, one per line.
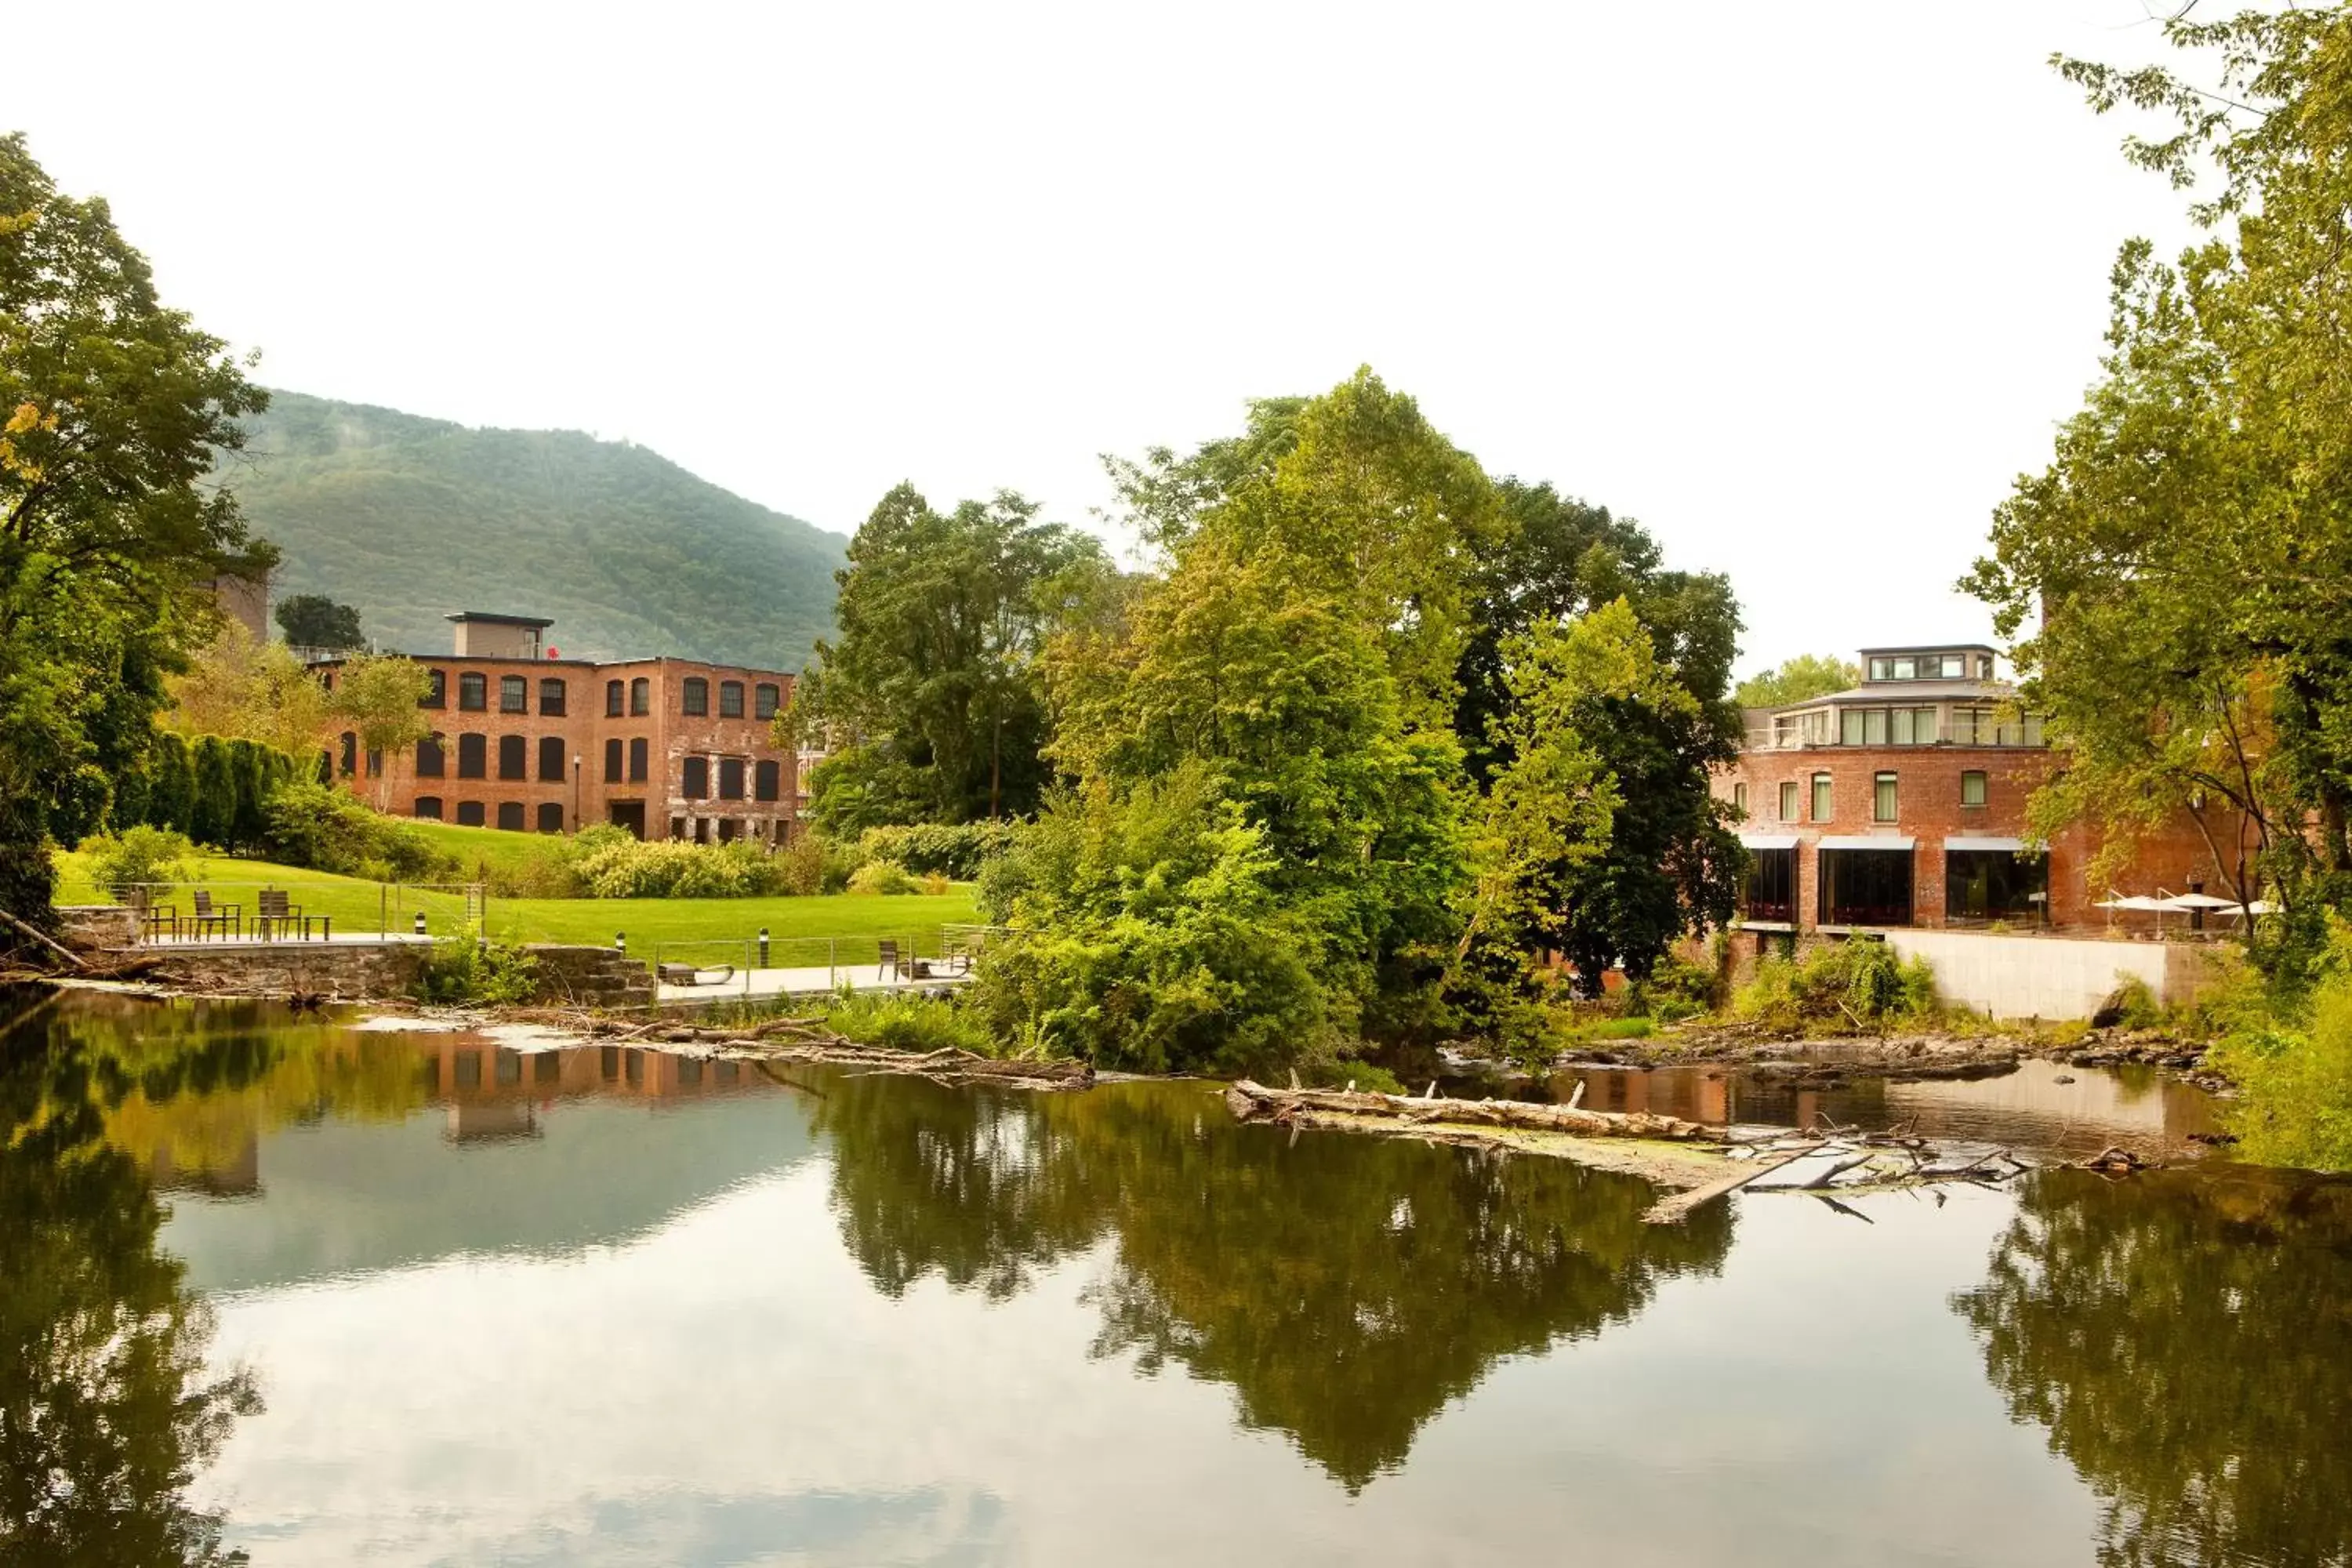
point(816, 980)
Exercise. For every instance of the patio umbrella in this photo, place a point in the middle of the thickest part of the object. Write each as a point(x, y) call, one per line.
point(2197, 901)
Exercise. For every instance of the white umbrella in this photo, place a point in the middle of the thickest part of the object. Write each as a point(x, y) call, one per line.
point(2197, 901)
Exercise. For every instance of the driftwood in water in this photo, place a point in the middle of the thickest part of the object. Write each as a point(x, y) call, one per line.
point(1677, 1207)
point(948, 1066)
point(1248, 1100)
point(44, 938)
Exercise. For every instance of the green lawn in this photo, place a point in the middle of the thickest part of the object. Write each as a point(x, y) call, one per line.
point(803, 931)
point(493, 847)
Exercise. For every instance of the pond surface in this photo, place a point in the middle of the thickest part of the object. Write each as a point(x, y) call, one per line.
point(327, 1296)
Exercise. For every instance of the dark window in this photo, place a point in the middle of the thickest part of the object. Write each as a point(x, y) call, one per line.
point(1972, 788)
point(696, 783)
point(438, 695)
point(428, 806)
point(351, 743)
point(613, 759)
point(641, 696)
point(765, 700)
point(552, 698)
point(1771, 893)
point(1983, 885)
point(514, 694)
point(514, 756)
point(766, 781)
point(637, 759)
point(429, 760)
point(326, 767)
point(550, 817)
point(1865, 887)
point(473, 755)
point(730, 778)
point(1882, 798)
point(547, 1067)
point(677, 828)
point(730, 699)
point(702, 830)
point(374, 764)
point(551, 758)
point(469, 814)
point(697, 696)
point(728, 830)
point(511, 815)
point(612, 700)
point(473, 692)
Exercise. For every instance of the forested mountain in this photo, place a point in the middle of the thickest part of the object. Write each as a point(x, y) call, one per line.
point(408, 519)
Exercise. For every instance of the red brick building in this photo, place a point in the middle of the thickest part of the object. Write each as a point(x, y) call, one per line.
point(668, 748)
point(1902, 803)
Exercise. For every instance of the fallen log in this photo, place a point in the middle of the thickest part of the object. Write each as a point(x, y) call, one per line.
point(42, 937)
point(1249, 1100)
point(1677, 1207)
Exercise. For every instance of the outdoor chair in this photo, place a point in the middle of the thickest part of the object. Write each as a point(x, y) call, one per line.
point(275, 914)
point(227, 918)
point(892, 964)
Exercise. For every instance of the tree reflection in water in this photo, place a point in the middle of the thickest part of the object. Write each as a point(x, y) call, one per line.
point(2183, 1336)
point(1345, 1288)
point(105, 1412)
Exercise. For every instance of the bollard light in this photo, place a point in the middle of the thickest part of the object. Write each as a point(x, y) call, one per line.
point(764, 947)
point(620, 942)
point(420, 923)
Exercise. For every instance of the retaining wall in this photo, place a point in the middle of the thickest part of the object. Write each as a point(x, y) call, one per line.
point(2049, 976)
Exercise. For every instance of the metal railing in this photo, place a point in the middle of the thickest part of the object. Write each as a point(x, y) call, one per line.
point(751, 965)
point(168, 911)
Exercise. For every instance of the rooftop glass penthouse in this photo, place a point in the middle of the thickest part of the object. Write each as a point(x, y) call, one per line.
point(1940, 695)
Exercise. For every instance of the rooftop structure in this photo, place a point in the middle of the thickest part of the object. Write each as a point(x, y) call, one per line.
point(1936, 695)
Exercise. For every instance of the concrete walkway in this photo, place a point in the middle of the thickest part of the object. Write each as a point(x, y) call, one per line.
point(816, 980)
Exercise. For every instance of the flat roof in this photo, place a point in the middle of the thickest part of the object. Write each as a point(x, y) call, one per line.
point(494, 618)
point(1931, 648)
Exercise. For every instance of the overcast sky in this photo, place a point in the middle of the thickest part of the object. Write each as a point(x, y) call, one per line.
point(1800, 286)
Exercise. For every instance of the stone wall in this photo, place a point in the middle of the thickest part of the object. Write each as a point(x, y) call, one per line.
point(591, 976)
point(345, 971)
point(98, 928)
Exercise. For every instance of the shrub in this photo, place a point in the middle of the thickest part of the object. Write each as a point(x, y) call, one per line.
point(957, 849)
point(322, 827)
point(1676, 989)
point(139, 854)
point(1856, 983)
point(2134, 1005)
point(909, 1023)
point(467, 969)
point(882, 877)
point(2292, 1065)
point(800, 867)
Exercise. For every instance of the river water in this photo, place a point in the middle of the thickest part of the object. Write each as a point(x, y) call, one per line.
point(325, 1296)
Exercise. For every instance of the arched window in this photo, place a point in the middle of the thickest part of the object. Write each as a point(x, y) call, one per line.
point(765, 700)
point(473, 756)
point(766, 781)
point(472, 691)
point(730, 778)
point(511, 815)
point(637, 759)
point(438, 695)
point(697, 781)
point(641, 696)
point(351, 743)
point(514, 756)
point(552, 698)
point(550, 817)
point(469, 813)
point(612, 700)
point(730, 699)
point(613, 759)
point(429, 758)
point(428, 806)
point(697, 691)
point(551, 758)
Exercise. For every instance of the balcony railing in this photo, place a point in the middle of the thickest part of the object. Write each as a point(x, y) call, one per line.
point(2012, 736)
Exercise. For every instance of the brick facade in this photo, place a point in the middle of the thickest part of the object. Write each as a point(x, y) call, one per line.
point(653, 765)
point(1935, 809)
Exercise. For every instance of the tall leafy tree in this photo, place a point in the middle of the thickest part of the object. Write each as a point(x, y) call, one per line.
point(2189, 551)
point(112, 408)
point(313, 620)
point(1794, 680)
point(931, 696)
point(381, 698)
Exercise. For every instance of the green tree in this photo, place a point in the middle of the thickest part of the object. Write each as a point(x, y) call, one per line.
point(2189, 551)
point(380, 698)
point(313, 620)
point(930, 698)
point(1807, 675)
point(237, 687)
point(112, 410)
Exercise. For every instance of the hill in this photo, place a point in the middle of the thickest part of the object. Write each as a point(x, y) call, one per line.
point(409, 518)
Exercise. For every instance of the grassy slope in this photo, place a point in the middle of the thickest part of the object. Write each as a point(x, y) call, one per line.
point(408, 519)
point(797, 926)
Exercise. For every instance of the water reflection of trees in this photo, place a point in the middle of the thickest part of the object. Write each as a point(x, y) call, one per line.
point(1345, 1288)
point(2184, 1338)
point(105, 1410)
